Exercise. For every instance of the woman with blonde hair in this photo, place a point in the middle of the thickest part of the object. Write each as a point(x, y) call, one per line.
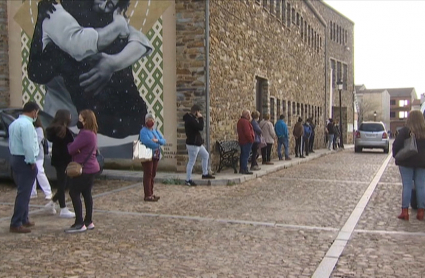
point(412, 169)
point(269, 135)
point(83, 151)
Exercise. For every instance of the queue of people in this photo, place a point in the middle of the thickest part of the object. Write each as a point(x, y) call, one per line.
point(258, 137)
point(255, 138)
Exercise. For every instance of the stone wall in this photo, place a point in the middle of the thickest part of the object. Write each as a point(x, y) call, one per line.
point(190, 66)
point(261, 57)
point(340, 50)
point(250, 42)
point(4, 57)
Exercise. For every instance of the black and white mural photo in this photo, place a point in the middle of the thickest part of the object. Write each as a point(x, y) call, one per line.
point(98, 55)
point(90, 45)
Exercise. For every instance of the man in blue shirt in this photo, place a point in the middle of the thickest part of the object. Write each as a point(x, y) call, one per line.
point(282, 134)
point(23, 146)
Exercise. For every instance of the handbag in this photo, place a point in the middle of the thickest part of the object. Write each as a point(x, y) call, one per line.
point(409, 149)
point(141, 152)
point(45, 146)
point(75, 169)
point(263, 142)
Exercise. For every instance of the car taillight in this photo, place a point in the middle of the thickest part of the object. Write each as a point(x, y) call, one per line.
point(357, 134)
point(384, 135)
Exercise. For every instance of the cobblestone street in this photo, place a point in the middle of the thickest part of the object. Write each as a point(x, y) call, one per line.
point(291, 223)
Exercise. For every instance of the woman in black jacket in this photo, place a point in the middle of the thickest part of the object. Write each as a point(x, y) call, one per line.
point(59, 134)
point(412, 169)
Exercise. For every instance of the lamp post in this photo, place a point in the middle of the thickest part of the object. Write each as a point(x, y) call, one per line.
point(340, 85)
point(374, 116)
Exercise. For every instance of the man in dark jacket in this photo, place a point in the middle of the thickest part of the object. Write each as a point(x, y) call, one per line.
point(246, 139)
point(193, 125)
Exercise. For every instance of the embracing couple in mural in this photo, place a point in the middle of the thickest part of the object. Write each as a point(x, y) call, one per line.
point(83, 51)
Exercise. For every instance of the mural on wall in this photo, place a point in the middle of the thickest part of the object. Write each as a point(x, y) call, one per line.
point(93, 54)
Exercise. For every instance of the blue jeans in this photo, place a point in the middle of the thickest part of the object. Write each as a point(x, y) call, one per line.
point(193, 152)
point(285, 142)
point(243, 159)
point(24, 177)
point(408, 176)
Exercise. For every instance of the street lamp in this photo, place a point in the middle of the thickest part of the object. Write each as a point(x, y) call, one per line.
point(374, 116)
point(340, 85)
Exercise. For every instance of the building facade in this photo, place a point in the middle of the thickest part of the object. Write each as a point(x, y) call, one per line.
point(278, 57)
point(401, 100)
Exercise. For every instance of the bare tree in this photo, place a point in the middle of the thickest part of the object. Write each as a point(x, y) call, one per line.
point(366, 109)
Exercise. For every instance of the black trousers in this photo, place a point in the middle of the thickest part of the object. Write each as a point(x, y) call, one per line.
point(62, 182)
point(82, 185)
point(306, 145)
point(311, 143)
point(266, 153)
point(254, 150)
point(299, 146)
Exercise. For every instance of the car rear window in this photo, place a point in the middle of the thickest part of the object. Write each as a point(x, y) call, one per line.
point(371, 127)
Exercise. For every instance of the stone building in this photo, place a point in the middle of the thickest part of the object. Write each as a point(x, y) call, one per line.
point(278, 57)
point(401, 100)
point(396, 104)
point(275, 56)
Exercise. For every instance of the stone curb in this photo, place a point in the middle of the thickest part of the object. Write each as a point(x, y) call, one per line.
point(221, 178)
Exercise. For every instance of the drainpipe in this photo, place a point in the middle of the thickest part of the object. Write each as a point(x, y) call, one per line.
point(326, 76)
point(207, 75)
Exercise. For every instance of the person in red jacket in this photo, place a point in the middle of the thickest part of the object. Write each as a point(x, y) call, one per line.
point(246, 139)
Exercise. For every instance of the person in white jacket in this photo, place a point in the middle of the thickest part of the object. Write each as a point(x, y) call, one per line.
point(269, 136)
point(41, 175)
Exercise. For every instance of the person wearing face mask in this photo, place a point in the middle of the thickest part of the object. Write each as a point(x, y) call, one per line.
point(59, 134)
point(152, 139)
point(83, 151)
point(23, 146)
point(193, 125)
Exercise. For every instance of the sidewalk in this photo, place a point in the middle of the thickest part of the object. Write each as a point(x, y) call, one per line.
point(225, 177)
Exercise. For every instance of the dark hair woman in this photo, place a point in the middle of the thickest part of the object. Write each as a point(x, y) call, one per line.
point(59, 134)
point(412, 169)
point(83, 151)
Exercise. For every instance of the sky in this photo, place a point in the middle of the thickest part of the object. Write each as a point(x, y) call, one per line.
point(389, 42)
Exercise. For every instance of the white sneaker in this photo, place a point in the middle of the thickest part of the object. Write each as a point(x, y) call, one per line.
point(90, 226)
point(50, 207)
point(76, 229)
point(48, 197)
point(66, 213)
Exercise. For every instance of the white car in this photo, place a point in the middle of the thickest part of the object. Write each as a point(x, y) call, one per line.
point(371, 135)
